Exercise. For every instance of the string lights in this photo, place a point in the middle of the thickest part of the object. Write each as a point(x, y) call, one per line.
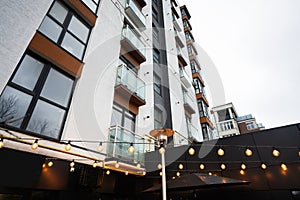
point(180, 166)
point(191, 151)
point(275, 152)
point(263, 166)
point(202, 166)
point(248, 152)
point(2, 143)
point(35, 145)
point(221, 152)
point(68, 146)
point(131, 148)
point(100, 147)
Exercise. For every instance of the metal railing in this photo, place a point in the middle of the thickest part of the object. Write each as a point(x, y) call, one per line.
point(134, 39)
point(130, 80)
point(119, 141)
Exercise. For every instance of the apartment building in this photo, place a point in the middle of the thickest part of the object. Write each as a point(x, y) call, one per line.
point(83, 82)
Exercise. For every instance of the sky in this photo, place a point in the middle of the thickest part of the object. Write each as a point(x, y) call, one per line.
point(255, 46)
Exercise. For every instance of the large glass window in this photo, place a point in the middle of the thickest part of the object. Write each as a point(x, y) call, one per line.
point(157, 84)
point(66, 29)
point(122, 117)
point(156, 58)
point(155, 14)
point(158, 118)
point(37, 98)
point(91, 4)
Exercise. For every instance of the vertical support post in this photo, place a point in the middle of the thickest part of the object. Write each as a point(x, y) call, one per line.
point(163, 164)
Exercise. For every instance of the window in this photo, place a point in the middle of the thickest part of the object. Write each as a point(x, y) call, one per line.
point(154, 14)
point(122, 117)
point(156, 58)
point(190, 50)
point(91, 4)
point(157, 84)
point(37, 98)
point(198, 86)
point(158, 118)
point(154, 2)
point(129, 65)
point(66, 29)
point(155, 33)
point(224, 115)
point(205, 131)
point(250, 125)
point(203, 109)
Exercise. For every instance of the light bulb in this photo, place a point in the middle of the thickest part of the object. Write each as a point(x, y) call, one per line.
point(162, 150)
point(144, 173)
point(100, 147)
point(126, 172)
point(178, 174)
point(173, 177)
point(242, 172)
point(283, 167)
point(95, 164)
point(191, 151)
point(299, 152)
point(72, 164)
point(221, 152)
point(1, 143)
point(107, 172)
point(209, 173)
point(138, 165)
point(263, 166)
point(248, 152)
point(68, 146)
point(223, 166)
point(159, 166)
point(44, 165)
point(180, 166)
point(131, 148)
point(243, 166)
point(201, 166)
point(117, 165)
point(72, 169)
point(35, 145)
point(276, 152)
point(160, 173)
point(50, 164)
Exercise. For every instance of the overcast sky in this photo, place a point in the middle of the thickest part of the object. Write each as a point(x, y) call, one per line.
point(255, 45)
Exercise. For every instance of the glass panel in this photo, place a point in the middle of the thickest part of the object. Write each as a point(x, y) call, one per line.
point(90, 4)
point(46, 119)
point(129, 124)
point(13, 106)
point(50, 29)
point(28, 72)
point(79, 29)
point(59, 12)
point(116, 117)
point(57, 88)
point(72, 45)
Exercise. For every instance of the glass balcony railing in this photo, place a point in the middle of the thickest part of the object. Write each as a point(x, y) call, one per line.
point(136, 11)
point(129, 79)
point(187, 99)
point(184, 77)
point(134, 39)
point(193, 131)
point(119, 141)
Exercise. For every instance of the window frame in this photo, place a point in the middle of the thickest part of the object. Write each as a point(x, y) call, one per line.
point(156, 59)
point(65, 25)
point(125, 113)
point(36, 93)
point(157, 84)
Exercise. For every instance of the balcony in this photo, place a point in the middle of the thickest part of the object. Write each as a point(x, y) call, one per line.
point(197, 74)
point(180, 57)
point(206, 120)
point(179, 39)
point(176, 24)
point(135, 14)
point(193, 132)
point(129, 86)
point(184, 78)
point(188, 103)
point(120, 140)
point(133, 45)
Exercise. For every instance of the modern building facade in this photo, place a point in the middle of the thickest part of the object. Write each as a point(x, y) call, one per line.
point(85, 81)
point(229, 124)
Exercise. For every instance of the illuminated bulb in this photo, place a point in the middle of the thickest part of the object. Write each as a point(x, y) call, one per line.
point(283, 167)
point(209, 173)
point(298, 152)
point(159, 166)
point(201, 166)
point(276, 152)
point(160, 173)
point(248, 152)
point(138, 165)
point(44, 165)
point(242, 172)
point(263, 166)
point(68, 146)
point(180, 166)
point(144, 173)
point(100, 147)
point(223, 166)
point(178, 174)
point(50, 164)
point(35, 145)
point(173, 177)
point(243, 166)
point(107, 172)
point(1, 143)
point(72, 169)
point(131, 148)
point(126, 172)
point(72, 164)
point(95, 164)
point(221, 152)
point(117, 165)
point(191, 151)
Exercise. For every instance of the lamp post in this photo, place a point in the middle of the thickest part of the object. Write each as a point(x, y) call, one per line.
point(162, 137)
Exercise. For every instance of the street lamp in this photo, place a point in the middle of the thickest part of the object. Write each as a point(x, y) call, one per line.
point(162, 137)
